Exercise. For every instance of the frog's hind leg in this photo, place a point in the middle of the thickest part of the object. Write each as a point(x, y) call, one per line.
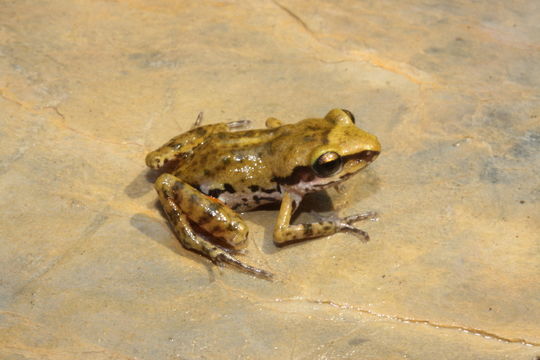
point(182, 144)
point(184, 204)
point(231, 125)
point(198, 120)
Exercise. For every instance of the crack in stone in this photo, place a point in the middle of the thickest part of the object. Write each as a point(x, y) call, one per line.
point(22, 349)
point(99, 219)
point(467, 330)
point(11, 98)
point(410, 73)
point(62, 125)
point(296, 18)
point(6, 95)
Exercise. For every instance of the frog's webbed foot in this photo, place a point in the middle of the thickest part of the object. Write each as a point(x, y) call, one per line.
point(198, 120)
point(184, 204)
point(346, 223)
point(225, 257)
point(239, 124)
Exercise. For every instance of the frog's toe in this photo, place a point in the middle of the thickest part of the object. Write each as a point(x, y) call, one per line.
point(368, 215)
point(239, 124)
point(154, 161)
point(225, 257)
point(361, 234)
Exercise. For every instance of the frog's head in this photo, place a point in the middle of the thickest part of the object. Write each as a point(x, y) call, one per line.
point(334, 150)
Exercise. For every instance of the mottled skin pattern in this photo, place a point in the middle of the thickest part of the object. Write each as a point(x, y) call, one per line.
point(217, 171)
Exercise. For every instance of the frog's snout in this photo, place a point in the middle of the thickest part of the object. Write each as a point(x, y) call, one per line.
point(369, 155)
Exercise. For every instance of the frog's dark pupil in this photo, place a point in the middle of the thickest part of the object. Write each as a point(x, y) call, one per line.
point(350, 114)
point(328, 164)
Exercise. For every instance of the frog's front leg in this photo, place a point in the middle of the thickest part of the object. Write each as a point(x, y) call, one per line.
point(273, 123)
point(184, 204)
point(285, 233)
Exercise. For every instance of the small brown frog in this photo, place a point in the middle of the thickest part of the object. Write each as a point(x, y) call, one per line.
point(218, 172)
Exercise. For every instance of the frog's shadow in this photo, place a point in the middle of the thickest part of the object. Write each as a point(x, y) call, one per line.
point(143, 183)
point(149, 227)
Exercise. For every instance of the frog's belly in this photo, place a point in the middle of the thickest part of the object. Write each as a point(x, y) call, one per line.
point(245, 201)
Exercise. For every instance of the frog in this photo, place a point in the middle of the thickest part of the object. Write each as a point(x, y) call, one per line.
point(212, 173)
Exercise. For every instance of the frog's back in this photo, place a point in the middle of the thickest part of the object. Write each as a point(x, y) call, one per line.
point(231, 166)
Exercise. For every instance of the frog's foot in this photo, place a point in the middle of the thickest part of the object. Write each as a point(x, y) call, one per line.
point(184, 205)
point(231, 125)
point(346, 223)
point(239, 124)
point(221, 257)
point(198, 120)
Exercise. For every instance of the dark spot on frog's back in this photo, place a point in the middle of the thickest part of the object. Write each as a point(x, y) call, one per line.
point(207, 172)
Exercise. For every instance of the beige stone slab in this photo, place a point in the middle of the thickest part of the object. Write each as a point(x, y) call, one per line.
point(91, 270)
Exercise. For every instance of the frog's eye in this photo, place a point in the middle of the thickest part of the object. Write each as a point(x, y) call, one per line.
point(328, 164)
point(350, 115)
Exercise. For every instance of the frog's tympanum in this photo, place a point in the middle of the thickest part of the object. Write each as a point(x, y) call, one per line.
point(217, 171)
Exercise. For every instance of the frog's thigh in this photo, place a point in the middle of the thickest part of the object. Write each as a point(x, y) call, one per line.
point(285, 233)
point(179, 200)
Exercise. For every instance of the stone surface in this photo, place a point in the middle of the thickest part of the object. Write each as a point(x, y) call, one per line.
point(90, 269)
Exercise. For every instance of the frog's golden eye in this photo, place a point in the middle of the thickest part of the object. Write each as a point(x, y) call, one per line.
point(328, 164)
point(350, 115)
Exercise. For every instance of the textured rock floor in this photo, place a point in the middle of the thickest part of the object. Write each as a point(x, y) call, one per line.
point(90, 269)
